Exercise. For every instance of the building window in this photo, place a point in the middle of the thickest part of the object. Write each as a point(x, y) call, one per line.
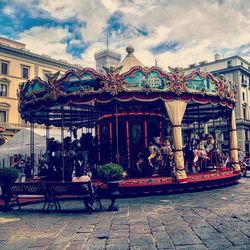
point(25, 72)
point(242, 78)
point(3, 89)
point(4, 68)
point(3, 116)
point(244, 113)
point(246, 134)
point(229, 64)
point(243, 96)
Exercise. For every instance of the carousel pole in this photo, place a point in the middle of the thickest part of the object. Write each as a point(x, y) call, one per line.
point(62, 142)
point(234, 144)
point(32, 147)
point(128, 144)
point(215, 140)
point(111, 140)
point(70, 131)
point(117, 134)
point(146, 134)
point(99, 141)
point(188, 128)
point(47, 134)
point(199, 123)
point(176, 110)
point(161, 133)
point(47, 138)
point(205, 128)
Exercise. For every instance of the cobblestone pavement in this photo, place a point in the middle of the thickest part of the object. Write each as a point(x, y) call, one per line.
point(215, 219)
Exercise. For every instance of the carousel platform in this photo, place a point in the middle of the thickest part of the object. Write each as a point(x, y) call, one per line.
point(155, 185)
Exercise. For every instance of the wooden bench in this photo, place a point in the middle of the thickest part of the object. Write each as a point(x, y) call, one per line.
point(51, 193)
point(10, 193)
point(56, 191)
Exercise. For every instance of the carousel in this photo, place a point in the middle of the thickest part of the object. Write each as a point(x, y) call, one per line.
point(159, 126)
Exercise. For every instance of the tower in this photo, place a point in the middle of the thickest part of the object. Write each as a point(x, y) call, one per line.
point(106, 58)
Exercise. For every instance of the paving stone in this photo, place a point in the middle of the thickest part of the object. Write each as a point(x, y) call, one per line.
point(117, 241)
point(85, 229)
point(210, 236)
point(139, 230)
point(164, 242)
point(141, 240)
point(143, 247)
point(17, 243)
point(205, 229)
point(192, 247)
point(186, 239)
point(246, 231)
point(41, 242)
point(240, 241)
point(75, 245)
point(158, 229)
point(117, 247)
point(81, 237)
point(220, 244)
point(241, 247)
point(118, 227)
point(118, 234)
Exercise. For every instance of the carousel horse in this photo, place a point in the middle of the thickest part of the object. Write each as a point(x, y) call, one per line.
point(189, 156)
point(154, 152)
point(167, 157)
point(73, 130)
point(142, 164)
point(200, 154)
point(212, 153)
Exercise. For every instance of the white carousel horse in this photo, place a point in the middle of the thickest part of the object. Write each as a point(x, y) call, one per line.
point(154, 151)
point(200, 154)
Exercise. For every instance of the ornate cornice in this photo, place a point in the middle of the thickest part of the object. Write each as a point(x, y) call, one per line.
point(83, 86)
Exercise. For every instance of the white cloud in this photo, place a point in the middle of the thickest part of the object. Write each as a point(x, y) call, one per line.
point(92, 14)
point(48, 41)
point(200, 28)
point(8, 10)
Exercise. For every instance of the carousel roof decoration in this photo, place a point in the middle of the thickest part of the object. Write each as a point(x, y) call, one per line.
point(81, 89)
point(130, 60)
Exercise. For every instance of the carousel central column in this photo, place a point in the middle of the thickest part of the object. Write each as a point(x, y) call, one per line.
point(234, 144)
point(176, 110)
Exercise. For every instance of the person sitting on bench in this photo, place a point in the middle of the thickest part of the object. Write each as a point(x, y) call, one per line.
point(80, 177)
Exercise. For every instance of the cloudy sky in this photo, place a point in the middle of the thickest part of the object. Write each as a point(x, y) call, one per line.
point(175, 32)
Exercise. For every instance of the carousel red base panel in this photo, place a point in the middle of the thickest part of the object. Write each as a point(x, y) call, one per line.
point(153, 185)
point(199, 181)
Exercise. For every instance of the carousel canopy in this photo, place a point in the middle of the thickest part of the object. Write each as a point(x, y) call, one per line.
point(79, 98)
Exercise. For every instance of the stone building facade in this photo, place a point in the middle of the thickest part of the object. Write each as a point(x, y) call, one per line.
point(17, 64)
point(238, 70)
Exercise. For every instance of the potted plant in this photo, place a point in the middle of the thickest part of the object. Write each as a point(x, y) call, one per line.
point(7, 177)
point(111, 174)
